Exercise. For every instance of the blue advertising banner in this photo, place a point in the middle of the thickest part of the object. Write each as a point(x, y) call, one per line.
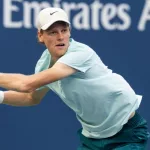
point(117, 30)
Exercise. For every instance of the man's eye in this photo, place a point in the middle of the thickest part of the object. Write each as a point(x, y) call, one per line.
point(52, 33)
point(64, 30)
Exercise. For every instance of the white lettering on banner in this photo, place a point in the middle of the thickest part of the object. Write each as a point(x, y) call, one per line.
point(145, 16)
point(81, 21)
point(95, 16)
point(108, 13)
point(27, 11)
point(95, 7)
point(122, 9)
point(7, 14)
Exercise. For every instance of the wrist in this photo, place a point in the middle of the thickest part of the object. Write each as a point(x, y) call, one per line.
point(1, 97)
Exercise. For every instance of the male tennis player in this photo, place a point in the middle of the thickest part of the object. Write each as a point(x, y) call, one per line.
point(103, 101)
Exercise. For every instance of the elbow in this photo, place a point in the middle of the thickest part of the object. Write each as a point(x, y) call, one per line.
point(26, 87)
point(33, 101)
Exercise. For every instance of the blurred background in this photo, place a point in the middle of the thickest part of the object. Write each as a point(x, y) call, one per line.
point(117, 30)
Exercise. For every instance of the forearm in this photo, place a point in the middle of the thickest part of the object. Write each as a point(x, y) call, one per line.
point(17, 99)
point(24, 83)
point(13, 81)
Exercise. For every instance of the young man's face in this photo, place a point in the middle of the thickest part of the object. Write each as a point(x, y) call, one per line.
point(56, 39)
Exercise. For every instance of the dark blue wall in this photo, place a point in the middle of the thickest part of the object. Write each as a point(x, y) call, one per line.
point(118, 32)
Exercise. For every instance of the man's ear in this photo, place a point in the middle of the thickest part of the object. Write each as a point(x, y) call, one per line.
point(40, 36)
point(69, 33)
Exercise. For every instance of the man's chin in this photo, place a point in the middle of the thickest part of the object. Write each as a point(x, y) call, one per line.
point(60, 55)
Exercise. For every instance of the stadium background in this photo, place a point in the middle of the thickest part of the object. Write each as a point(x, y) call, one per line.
point(119, 33)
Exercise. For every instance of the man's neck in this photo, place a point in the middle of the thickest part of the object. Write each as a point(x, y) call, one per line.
point(53, 61)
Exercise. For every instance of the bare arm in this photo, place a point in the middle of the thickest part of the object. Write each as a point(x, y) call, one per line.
point(30, 83)
point(24, 99)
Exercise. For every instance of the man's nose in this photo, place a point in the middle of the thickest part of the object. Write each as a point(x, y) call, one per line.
point(60, 36)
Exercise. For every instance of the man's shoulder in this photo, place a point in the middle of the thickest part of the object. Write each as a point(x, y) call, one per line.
point(78, 46)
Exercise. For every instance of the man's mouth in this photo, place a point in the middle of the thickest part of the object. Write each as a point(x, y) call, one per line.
point(60, 45)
